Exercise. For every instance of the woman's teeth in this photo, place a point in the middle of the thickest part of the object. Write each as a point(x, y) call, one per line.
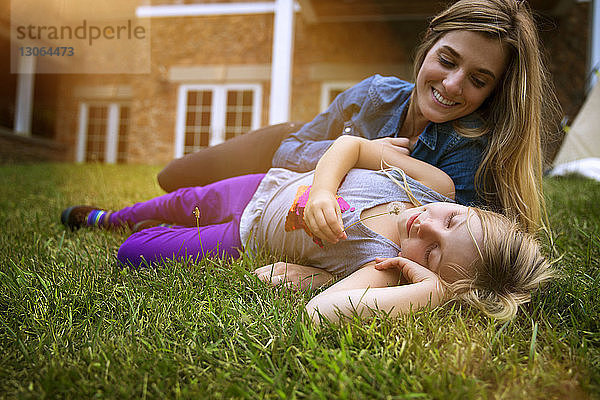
point(442, 100)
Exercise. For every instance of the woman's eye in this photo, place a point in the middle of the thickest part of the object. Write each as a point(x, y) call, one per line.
point(445, 62)
point(478, 82)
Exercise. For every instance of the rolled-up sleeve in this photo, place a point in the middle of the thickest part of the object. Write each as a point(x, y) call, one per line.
point(302, 150)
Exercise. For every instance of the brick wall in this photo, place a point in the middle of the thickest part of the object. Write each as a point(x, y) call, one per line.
point(243, 40)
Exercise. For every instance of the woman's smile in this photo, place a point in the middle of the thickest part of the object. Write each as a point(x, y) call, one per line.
point(441, 99)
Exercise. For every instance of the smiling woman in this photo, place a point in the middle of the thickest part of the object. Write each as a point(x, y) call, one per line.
point(458, 74)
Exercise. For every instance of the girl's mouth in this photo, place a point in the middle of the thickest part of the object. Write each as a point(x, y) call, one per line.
point(410, 221)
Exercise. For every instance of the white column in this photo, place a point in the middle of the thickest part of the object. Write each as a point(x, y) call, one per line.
point(594, 61)
point(112, 134)
point(281, 64)
point(217, 116)
point(182, 95)
point(24, 101)
point(82, 133)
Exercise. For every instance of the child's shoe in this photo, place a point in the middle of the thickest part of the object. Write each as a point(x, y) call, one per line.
point(76, 217)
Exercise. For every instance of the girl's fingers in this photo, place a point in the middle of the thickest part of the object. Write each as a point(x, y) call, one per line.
point(384, 263)
point(324, 230)
point(412, 271)
point(387, 263)
point(323, 224)
point(263, 270)
point(415, 272)
point(333, 218)
point(402, 145)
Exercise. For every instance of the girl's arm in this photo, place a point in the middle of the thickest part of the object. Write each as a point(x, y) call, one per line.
point(374, 288)
point(322, 214)
point(349, 152)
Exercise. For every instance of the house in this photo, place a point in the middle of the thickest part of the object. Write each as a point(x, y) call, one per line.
point(216, 69)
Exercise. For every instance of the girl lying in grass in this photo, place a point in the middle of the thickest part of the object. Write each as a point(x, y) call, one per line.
point(404, 245)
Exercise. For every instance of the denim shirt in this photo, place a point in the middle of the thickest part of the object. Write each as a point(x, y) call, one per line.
point(376, 108)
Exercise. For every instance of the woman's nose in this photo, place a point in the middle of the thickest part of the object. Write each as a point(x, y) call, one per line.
point(453, 83)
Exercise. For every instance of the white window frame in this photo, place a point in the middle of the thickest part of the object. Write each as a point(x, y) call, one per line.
point(327, 87)
point(218, 111)
point(111, 142)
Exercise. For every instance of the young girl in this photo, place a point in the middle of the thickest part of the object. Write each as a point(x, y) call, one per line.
point(271, 211)
point(447, 250)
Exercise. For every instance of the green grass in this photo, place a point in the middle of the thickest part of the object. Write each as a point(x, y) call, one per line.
point(74, 325)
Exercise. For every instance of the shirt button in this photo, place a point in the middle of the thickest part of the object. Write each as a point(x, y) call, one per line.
point(347, 129)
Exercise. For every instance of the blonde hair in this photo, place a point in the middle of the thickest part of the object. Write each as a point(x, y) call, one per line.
point(510, 268)
point(510, 175)
point(510, 265)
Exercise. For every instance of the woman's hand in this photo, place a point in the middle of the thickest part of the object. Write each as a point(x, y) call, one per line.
point(400, 144)
point(323, 216)
point(293, 276)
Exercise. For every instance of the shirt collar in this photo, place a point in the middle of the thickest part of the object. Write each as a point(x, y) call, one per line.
point(430, 135)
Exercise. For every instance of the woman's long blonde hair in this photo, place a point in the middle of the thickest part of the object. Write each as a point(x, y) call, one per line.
point(517, 114)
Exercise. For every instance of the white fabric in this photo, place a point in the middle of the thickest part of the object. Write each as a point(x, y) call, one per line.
point(588, 167)
point(583, 139)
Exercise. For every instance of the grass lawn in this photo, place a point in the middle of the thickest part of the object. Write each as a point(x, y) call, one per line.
point(74, 325)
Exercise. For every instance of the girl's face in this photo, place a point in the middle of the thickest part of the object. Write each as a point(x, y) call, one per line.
point(459, 72)
point(437, 236)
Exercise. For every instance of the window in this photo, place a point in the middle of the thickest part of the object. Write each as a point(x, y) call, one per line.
point(103, 132)
point(123, 135)
point(96, 133)
point(210, 114)
point(330, 90)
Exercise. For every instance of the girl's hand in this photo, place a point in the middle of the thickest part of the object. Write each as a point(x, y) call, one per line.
point(293, 276)
point(323, 216)
point(411, 271)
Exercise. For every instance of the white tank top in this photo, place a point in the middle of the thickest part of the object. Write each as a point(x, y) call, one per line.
point(263, 221)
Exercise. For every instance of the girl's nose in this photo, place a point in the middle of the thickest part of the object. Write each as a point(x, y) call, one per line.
point(428, 229)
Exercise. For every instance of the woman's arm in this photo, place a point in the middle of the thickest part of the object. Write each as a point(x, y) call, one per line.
point(374, 288)
point(322, 214)
point(302, 150)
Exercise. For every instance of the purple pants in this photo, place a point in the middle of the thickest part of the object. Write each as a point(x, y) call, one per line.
point(221, 206)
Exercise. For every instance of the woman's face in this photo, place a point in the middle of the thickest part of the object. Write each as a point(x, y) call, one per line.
point(459, 72)
point(438, 236)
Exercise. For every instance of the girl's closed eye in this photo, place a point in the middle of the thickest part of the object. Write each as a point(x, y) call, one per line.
point(450, 218)
point(428, 253)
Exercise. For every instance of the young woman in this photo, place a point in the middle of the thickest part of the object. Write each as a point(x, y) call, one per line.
point(281, 212)
point(477, 111)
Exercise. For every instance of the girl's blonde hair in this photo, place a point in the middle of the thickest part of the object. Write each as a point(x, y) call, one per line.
point(510, 175)
point(511, 267)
